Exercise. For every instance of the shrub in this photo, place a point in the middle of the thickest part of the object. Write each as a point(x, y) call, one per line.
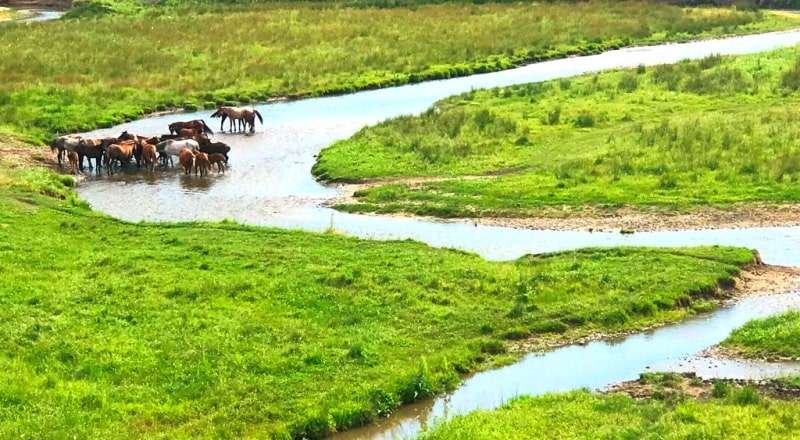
point(584, 119)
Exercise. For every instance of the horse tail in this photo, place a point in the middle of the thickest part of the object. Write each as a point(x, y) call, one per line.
point(260, 119)
point(53, 147)
point(206, 128)
point(217, 114)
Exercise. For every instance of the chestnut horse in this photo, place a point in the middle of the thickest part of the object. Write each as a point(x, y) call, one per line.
point(198, 125)
point(122, 152)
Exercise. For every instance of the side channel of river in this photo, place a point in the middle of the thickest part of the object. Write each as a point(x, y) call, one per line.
point(269, 184)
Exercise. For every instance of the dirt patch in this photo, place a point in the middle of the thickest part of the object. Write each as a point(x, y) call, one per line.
point(756, 279)
point(688, 385)
point(594, 219)
point(16, 154)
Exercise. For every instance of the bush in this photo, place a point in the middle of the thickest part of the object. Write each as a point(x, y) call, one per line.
point(585, 119)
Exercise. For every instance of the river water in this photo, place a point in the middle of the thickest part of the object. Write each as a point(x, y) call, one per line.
point(269, 183)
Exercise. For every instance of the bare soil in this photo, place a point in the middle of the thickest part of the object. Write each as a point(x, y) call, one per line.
point(17, 154)
point(689, 385)
point(625, 219)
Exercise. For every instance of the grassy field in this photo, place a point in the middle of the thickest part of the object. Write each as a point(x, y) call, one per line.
point(734, 412)
point(716, 131)
point(196, 330)
point(773, 337)
point(74, 75)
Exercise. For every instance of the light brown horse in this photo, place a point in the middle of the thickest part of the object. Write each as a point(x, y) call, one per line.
point(149, 156)
point(122, 152)
point(73, 161)
point(237, 114)
point(201, 164)
point(186, 159)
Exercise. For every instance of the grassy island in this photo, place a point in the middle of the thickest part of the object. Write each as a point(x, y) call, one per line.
point(714, 132)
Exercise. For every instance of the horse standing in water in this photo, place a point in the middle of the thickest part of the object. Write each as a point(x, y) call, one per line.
point(67, 143)
point(242, 115)
point(198, 125)
point(172, 147)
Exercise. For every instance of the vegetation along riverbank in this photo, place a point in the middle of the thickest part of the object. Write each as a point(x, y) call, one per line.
point(712, 135)
point(772, 338)
point(657, 406)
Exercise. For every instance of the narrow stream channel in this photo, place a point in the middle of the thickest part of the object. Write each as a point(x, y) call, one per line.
point(269, 184)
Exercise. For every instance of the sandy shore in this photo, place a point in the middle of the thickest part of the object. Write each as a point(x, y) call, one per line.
point(626, 220)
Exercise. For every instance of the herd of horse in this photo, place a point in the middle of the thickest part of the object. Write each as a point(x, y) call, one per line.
point(187, 140)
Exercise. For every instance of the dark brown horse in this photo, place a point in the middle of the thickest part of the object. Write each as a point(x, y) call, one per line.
point(93, 149)
point(198, 125)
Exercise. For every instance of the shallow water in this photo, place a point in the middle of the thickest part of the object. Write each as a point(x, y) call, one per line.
point(269, 184)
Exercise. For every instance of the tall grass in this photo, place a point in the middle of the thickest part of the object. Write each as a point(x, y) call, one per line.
point(719, 130)
point(76, 74)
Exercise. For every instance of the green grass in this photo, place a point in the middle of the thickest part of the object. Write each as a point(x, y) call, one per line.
point(773, 337)
point(717, 131)
point(74, 75)
point(212, 330)
point(741, 413)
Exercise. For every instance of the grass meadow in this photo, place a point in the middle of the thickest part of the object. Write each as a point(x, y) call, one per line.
point(79, 74)
point(712, 132)
point(773, 337)
point(218, 330)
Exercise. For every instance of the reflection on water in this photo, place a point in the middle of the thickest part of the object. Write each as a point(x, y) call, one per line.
point(193, 183)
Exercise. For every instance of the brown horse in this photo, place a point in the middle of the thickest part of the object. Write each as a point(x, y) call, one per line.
point(198, 125)
point(122, 152)
point(237, 114)
point(201, 164)
point(149, 155)
point(216, 158)
point(92, 149)
point(186, 159)
point(73, 162)
point(250, 118)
